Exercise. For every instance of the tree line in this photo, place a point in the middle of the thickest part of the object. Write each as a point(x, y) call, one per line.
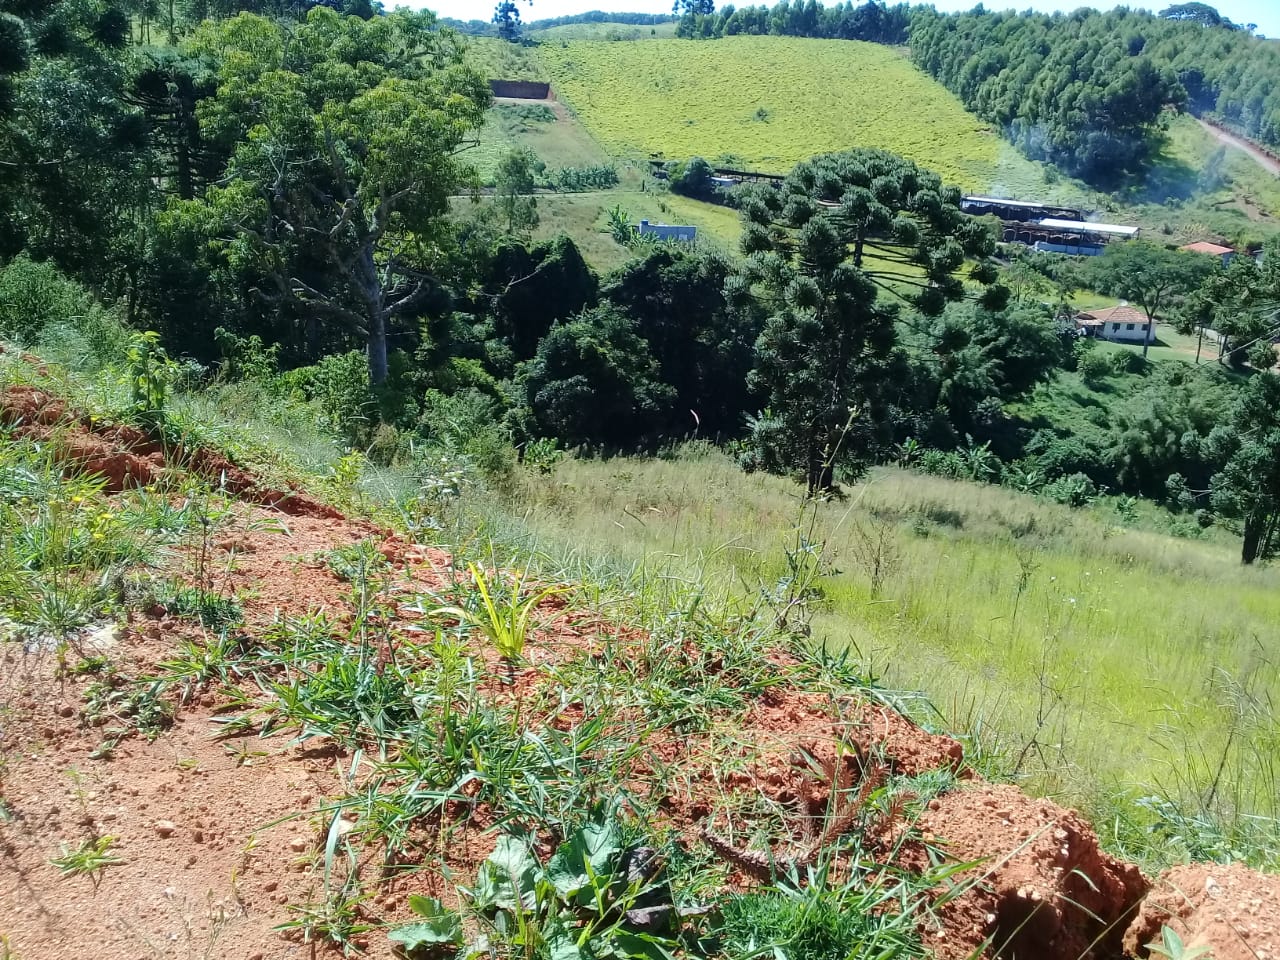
point(1087, 91)
point(873, 21)
point(503, 14)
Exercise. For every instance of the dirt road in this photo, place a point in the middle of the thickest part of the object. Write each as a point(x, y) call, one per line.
point(1231, 140)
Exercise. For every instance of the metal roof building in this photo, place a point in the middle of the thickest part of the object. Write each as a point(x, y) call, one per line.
point(1089, 227)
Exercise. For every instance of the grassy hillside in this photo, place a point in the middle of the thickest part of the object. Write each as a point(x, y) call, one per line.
point(554, 136)
point(1198, 188)
point(605, 31)
point(770, 102)
point(1089, 656)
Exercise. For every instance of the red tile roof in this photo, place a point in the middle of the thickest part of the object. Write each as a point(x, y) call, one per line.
point(1118, 314)
point(1204, 246)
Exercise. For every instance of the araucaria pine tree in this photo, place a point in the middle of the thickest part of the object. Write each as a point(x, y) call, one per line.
point(832, 255)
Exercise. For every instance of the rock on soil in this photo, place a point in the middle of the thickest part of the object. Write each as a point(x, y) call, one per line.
point(1044, 890)
point(1231, 910)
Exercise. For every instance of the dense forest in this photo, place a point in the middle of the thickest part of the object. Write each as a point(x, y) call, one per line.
point(872, 21)
point(1088, 90)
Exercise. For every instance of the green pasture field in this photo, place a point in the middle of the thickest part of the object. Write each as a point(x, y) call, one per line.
point(584, 217)
point(605, 31)
point(1090, 658)
point(770, 102)
point(556, 138)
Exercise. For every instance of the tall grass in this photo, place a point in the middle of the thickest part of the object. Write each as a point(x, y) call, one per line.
point(1088, 659)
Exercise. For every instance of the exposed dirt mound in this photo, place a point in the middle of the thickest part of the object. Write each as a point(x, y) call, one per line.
point(1047, 890)
point(1231, 910)
point(125, 456)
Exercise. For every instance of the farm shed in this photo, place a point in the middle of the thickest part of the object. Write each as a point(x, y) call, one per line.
point(667, 231)
point(1121, 323)
point(1225, 254)
point(1016, 211)
point(1082, 238)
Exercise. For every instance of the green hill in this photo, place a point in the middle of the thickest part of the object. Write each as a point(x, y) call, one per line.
point(770, 102)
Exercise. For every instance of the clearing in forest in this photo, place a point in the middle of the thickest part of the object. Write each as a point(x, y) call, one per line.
point(770, 102)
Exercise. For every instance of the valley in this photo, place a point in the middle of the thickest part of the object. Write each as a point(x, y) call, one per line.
point(413, 546)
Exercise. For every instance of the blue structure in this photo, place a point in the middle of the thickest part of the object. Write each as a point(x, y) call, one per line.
point(666, 231)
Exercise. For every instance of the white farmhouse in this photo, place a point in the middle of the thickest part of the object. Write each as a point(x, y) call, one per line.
point(1122, 323)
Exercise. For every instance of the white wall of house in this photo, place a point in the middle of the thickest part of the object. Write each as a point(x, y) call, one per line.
point(1124, 332)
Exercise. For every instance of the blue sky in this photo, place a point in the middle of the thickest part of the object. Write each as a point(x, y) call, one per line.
point(1265, 13)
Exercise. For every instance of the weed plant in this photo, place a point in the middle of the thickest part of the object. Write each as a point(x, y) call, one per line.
point(90, 858)
point(63, 548)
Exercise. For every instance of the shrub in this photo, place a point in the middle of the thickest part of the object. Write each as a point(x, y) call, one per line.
point(1095, 367)
point(693, 179)
point(1128, 361)
point(518, 117)
point(35, 298)
point(1025, 476)
point(470, 424)
point(34, 295)
point(943, 463)
point(594, 177)
point(1178, 496)
point(247, 358)
point(1056, 456)
point(339, 386)
point(1076, 490)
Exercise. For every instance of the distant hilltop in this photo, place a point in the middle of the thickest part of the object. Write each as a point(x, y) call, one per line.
point(486, 28)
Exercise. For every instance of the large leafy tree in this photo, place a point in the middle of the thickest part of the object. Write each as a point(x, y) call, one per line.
point(1201, 13)
point(969, 361)
point(1247, 487)
point(514, 180)
point(529, 288)
point(1164, 428)
point(346, 138)
point(832, 253)
point(1152, 276)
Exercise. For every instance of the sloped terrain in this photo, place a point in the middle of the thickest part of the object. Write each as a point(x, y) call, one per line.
point(294, 723)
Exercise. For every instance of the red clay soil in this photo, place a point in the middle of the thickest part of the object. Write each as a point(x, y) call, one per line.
point(203, 875)
point(1229, 909)
point(1045, 889)
point(124, 456)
